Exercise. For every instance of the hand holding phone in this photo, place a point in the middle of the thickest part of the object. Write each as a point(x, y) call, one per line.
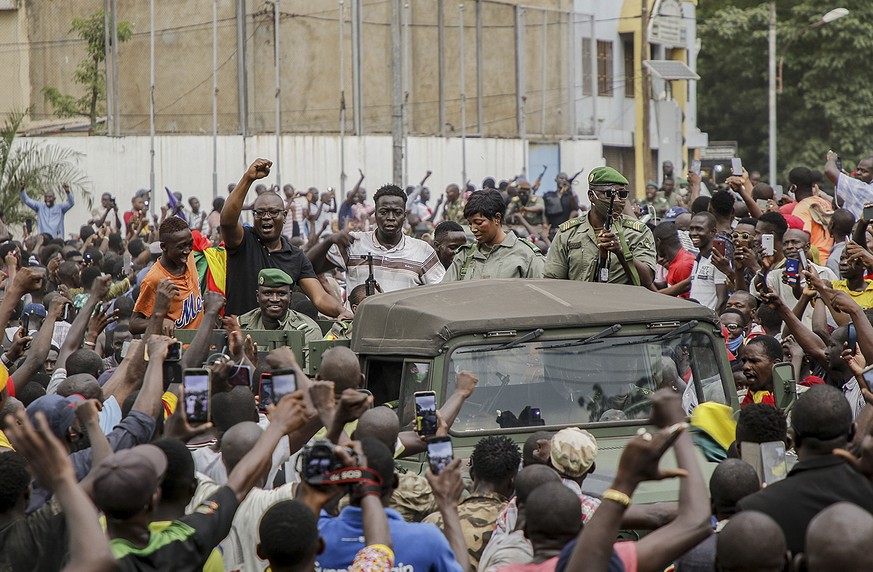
point(196, 392)
point(425, 413)
point(768, 245)
point(718, 245)
point(439, 453)
point(278, 384)
point(737, 167)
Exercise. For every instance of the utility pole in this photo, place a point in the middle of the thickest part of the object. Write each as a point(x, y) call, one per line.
point(397, 92)
point(771, 91)
point(644, 80)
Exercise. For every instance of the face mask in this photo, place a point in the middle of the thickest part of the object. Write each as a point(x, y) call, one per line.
point(734, 344)
point(602, 207)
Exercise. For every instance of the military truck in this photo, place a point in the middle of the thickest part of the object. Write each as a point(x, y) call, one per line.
point(548, 354)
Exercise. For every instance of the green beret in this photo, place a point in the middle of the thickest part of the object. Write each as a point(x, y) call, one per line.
point(272, 277)
point(606, 176)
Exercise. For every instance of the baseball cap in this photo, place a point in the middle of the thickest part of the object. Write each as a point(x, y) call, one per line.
point(34, 310)
point(673, 213)
point(124, 482)
point(60, 412)
point(573, 451)
point(794, 222)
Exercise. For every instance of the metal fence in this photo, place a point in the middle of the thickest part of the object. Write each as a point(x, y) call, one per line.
point(486, 68)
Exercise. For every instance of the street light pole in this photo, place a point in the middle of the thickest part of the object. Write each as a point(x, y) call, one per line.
point(834, 14)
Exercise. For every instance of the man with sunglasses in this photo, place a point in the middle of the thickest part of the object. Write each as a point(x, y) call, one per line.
point(249, 250)
point(580, 242)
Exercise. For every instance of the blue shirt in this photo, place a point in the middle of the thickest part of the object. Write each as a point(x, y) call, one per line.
point(49, 219)
point(418, 547)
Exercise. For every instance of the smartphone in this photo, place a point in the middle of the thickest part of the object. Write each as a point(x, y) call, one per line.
point(242, 376)
point(280, 383)
point(196, 384)
point(868, 212)
point(695, 166)
point(25, 324)
point(839, 163)
point(768, 247)
point(174, 351)
point(778, 193)
point(852, 341)
point(67, 313)
point(773, 465)
point(425, 413)
point(804, 263)
point(439, 453)
point(737, 167)
point(125, 347)
point(127, 261)
point(763, 204)
point(792, 271)
point(718, 245)
point(265, 391)
point(784, 386)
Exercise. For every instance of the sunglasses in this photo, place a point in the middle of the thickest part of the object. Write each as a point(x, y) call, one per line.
point(741, 235)
point(621, 193)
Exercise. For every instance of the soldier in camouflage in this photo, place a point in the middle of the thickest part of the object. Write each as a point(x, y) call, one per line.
point(628, 245)
point(453, 209)
point(493, 466)
point(525, 205)
point(496, 253)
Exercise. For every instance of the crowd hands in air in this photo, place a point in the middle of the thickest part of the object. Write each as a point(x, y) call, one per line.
point(107, 464)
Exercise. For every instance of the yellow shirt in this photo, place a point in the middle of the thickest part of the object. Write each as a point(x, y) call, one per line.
point(863, 298)
point(4, 442)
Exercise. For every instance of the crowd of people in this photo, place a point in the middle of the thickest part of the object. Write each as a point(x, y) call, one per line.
point(106, 463)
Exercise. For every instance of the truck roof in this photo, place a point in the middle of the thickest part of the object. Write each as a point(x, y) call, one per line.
point(418, 321)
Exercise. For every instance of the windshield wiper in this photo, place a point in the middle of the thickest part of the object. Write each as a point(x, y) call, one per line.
point(605, 333)
point(521, 339)
point(678, 331)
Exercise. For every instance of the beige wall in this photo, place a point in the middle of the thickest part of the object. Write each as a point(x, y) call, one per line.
point(14, 61)
point(309, 58)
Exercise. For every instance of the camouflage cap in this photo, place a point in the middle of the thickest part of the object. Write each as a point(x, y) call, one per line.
point(606, 176)
point(573, 451)
point(272, 277)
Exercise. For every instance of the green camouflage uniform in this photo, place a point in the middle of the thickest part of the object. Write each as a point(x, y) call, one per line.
point(478, 513)
point(513, 258)
point(413, 497)
point(574, 253)
point(533, 218)
point(455, 211)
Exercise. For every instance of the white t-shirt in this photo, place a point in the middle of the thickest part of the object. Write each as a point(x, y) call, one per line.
point(411, 262)
point(704, 278)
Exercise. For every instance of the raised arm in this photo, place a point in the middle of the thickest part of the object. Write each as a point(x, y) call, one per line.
point(812, 345)
point(198, 350)
point(70, 202)
point(659, 548)
point(287, 416)
point(831, 170)
point(76, 333)
point(41, 345)
point(231, 229)
point(447, 488)
point(50, 466)
point(465, 384)
point(32, 204)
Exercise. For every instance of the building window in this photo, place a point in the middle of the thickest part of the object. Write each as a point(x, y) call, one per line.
point(628, 69)
point(604, 68)
point(586, 67)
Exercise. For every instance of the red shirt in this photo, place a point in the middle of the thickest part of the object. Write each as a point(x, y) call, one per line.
point(680, 268)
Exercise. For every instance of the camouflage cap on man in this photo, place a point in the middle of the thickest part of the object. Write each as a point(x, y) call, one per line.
point(606, 176)
point(273, 277)
point(573, 451)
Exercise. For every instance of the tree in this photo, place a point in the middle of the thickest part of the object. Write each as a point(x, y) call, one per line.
point(90, 72)
point(826, 98)
point(41, 166)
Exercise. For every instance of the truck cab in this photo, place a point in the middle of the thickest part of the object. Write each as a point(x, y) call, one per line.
point(549, 354)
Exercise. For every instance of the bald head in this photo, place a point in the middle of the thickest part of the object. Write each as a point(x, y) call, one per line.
point(751, 541)
point(531, 477)
point(341, 366)
point(268, 201)
point(838, 538)
point(238, 441)
point(380, 423)
point(83, 384)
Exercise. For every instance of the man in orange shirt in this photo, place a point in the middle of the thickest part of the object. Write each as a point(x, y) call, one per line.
point(813, 211)
point(177, 266)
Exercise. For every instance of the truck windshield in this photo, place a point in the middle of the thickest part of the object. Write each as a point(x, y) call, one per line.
point(555, 383)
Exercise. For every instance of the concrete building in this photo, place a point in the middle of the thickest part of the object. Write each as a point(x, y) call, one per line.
point(541, 82)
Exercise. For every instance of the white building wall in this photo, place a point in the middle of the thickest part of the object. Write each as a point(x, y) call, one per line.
point(184, 163)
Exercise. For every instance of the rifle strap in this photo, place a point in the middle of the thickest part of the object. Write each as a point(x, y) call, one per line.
point(628, 256)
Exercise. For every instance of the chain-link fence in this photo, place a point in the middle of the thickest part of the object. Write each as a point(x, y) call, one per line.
point(525, 70)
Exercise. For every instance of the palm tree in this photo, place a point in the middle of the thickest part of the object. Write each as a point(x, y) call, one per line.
point(42, 166)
